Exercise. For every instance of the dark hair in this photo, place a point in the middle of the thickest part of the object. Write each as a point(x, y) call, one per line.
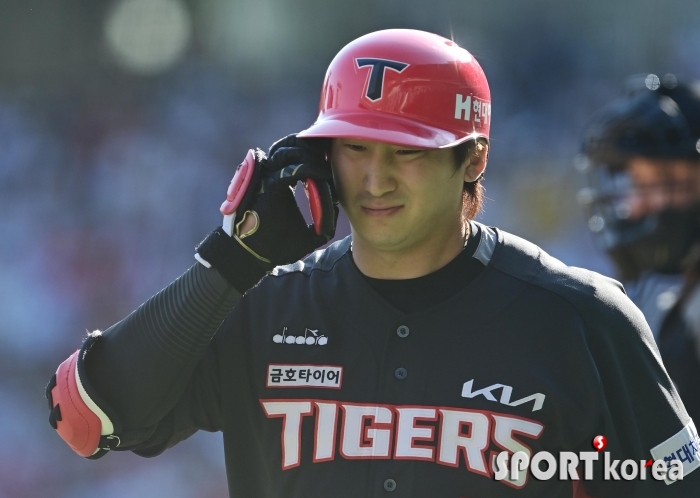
point(473, 192)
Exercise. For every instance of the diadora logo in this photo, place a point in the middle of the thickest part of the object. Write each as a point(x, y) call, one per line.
point(506, 391)
point(310, 338)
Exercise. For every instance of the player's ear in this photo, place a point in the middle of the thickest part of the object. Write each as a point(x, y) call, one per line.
point(476, 162)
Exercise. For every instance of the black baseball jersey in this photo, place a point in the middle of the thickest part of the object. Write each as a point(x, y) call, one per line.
point(678, 342)
point(673, 314)
point(655, 294)
point(323, 388)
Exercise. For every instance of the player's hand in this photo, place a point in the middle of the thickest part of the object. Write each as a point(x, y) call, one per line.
point(260, 211)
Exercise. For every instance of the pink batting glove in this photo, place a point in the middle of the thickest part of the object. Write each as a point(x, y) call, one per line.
point(239, 184)
point(236, 190)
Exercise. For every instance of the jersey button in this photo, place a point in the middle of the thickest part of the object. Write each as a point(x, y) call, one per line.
point(390, 485)
point(401, 373)
point(402, 331)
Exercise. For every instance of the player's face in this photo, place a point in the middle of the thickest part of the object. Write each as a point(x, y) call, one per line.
point(395, 196)
point(660, 184)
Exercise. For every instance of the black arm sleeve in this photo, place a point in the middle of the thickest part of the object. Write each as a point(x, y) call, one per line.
point(197, 408)
point(142, 365)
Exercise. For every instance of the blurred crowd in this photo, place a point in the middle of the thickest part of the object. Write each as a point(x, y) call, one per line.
point(108, 180)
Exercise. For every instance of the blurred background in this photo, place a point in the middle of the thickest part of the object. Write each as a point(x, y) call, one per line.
point(122, 121)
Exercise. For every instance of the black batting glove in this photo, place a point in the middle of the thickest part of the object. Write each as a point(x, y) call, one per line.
point(263, 188)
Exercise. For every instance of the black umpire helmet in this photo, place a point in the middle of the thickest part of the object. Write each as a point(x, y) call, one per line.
point(660, 121)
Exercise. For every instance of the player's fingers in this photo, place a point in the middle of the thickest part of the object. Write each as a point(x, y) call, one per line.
point(301, 153)
point(315, 145)
point(284, 156)
point(300, 172)
point(288, 141)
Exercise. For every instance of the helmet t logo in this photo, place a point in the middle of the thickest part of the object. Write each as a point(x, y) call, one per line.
point(376, 77)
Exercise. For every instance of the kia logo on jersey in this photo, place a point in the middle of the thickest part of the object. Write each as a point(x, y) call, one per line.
point(311, 337)
point(506, 391)
point(376, 76)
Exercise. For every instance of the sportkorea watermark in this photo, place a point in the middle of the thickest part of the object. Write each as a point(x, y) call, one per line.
point(671, 460)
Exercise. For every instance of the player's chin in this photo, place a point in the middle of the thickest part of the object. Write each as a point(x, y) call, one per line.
point(382, 236)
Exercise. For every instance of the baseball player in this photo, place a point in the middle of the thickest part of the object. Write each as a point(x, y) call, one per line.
point(642, 156)
point(401, 360)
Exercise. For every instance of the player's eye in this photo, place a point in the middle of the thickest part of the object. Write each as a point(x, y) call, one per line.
point(355, 147)
point(408, 152)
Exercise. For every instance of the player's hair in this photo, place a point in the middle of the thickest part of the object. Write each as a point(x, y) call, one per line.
point(473, 192)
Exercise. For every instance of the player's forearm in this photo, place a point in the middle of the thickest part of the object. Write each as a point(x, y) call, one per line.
point(141, 364)
point(122, 383)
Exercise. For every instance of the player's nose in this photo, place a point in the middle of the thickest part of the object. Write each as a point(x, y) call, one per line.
point(379, 175)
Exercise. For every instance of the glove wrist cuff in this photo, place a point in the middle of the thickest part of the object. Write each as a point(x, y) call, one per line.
point(238, 264)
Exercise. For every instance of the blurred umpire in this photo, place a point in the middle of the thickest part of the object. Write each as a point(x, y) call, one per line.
point(641, 154)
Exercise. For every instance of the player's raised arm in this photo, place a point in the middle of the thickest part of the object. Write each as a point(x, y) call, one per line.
point(116, 389)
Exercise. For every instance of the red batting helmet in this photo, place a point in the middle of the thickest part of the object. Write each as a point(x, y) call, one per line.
point(404, 87)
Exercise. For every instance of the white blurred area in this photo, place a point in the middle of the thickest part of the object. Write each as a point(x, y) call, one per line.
point(258, 33)
point(121, 123)
point(148, 36)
